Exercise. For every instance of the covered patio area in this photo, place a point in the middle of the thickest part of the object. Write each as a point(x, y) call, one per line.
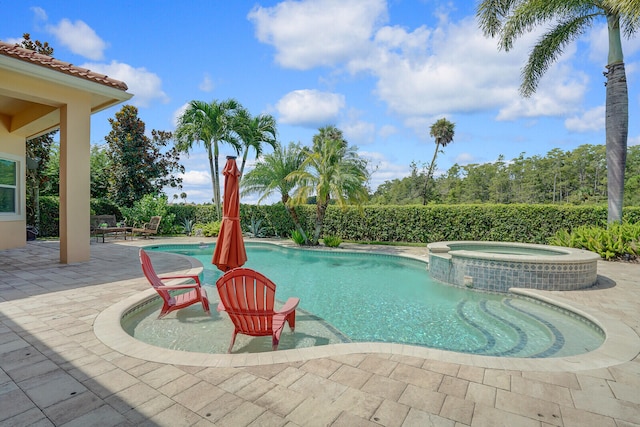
point(54, 369)
point(39, 94)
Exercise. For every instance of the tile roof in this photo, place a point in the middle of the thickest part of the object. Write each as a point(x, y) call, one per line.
point(26, 55)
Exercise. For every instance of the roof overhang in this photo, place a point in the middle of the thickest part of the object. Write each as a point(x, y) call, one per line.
point(31, 94)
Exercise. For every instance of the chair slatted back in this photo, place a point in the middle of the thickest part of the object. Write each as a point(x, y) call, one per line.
point(151, 275)
point(154, 223)
point(248, 298)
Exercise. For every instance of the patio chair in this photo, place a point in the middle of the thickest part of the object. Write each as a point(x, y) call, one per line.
point(174, 297)
point(148, 228)
point(248, 297)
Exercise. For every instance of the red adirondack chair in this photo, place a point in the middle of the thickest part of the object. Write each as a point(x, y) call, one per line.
point(248, 297)
point(176, 300)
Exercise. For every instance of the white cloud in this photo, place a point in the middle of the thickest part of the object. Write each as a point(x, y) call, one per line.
point(359, 132)
point(310, 108)
point(206, 85)
point(465, 159)
point(598, 40)
point(11, 40)
point(311, 33)
point(39, 13)
point(590, 120)
point(196, 177)
point(145, 85)
point(178, 113)
point(79, 38)
point(382, 169)
point(451, 68)
point(554, 98)
point(386, 131)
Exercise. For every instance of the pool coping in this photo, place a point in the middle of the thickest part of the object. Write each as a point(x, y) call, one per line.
point(620, 345)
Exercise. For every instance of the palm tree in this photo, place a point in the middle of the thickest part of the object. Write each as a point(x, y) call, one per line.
point(210, 124)
point(331, 170)
point(509, 19)
point(629, 8)
point(254, 131)
point(269, 177)
point(442, 131)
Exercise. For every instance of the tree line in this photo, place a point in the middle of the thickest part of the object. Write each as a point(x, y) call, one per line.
point(575, 176)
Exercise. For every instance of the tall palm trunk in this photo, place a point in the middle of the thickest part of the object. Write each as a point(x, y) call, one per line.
point(617, 122)
point(213, 167)
point(429, 175)
point(216, 180)
point(244, 161)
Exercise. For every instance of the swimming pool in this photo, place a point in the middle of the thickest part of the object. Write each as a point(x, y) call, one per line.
point(377, 298)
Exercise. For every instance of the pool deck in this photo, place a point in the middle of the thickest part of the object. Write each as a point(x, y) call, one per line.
point(63, 363)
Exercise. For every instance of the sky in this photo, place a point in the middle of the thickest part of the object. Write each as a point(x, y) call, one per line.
point(381, 71)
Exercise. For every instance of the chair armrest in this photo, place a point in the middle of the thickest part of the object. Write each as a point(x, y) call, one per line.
point(289, 306)
point(192, 277)
point(178, 287)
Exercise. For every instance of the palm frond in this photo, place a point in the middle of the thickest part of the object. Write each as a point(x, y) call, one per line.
point(549, 48)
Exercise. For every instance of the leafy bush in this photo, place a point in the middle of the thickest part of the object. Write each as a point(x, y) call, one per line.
point(210, 229)
point(618, 241)
point(297, 237)
point(105, 207)
point(50, 216)
point(149, 206)
point(332, 241)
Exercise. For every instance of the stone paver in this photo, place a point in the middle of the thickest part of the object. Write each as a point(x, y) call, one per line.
point(54, 370)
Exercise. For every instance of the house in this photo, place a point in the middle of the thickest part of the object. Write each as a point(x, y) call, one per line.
point(39, 94)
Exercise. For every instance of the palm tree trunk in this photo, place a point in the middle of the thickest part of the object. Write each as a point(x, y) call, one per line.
point(321, 210)
point(430, 174)
point(212, 169)
point(616, 122)
point(244, 161)
point(617, 125)
point(216, 180)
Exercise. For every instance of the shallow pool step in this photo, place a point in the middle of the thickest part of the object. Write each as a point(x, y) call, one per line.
point(510, 331)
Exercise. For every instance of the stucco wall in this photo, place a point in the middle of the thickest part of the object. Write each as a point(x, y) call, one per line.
point(12, 231)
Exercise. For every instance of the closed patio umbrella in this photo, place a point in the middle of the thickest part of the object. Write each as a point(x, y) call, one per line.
point(230, 252)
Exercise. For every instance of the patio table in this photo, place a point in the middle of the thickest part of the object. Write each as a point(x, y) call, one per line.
point(115, 231)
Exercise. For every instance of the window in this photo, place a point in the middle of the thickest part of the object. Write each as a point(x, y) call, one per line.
point(9, 186)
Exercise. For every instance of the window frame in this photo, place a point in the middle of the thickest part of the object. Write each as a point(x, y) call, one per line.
point(18, 213)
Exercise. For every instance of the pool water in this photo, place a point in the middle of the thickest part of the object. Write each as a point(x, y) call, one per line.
point(364, 297)
point(505, 249)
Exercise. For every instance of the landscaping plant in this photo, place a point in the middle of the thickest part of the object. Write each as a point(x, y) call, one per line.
point(618, 241)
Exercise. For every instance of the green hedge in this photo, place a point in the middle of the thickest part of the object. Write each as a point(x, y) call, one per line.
point(424, 224)
point(50, 213)
point(414, 224)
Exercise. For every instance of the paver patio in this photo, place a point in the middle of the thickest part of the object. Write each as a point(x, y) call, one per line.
point(55, 370)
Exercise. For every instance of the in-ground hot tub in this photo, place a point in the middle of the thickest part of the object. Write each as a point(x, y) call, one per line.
point(498, 266)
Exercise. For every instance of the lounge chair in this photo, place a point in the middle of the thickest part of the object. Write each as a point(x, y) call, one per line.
point(149, 228)
point(247, 296)
point(176, 300)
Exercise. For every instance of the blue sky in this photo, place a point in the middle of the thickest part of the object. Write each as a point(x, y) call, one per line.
point(382, 71)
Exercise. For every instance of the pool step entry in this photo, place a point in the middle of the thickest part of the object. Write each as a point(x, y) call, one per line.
point(504, 333)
